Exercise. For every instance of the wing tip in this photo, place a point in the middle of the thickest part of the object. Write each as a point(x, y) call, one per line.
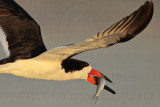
point(142, 19)
point(145, 13)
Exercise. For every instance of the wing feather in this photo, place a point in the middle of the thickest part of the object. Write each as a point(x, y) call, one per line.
point(21, 31)
point(122, 31)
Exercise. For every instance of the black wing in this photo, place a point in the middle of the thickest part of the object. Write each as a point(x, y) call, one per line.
point(21, 32)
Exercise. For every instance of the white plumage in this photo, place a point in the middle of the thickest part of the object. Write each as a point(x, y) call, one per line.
point(29, 58)
point(43, 68)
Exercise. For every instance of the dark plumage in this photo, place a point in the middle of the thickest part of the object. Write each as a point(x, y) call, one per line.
point(71, 65)
point(25, 42)
point(21, 30)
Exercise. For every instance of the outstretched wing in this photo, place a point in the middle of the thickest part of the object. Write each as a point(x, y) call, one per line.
point(122, 31)
point(20, 36)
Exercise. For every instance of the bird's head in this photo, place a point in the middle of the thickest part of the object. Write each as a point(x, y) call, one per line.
point(92, 78)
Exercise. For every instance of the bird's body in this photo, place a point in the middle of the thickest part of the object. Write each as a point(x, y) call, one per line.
point(28, 57)
point(47, 68)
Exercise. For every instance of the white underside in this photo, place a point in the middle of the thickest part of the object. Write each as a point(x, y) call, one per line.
point(48, 69)
point(4, 42)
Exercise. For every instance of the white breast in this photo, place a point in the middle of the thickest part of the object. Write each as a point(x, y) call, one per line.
point(43, 69)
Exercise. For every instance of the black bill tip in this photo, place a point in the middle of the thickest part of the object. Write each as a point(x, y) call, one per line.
point(106, 78)
point(109, 89)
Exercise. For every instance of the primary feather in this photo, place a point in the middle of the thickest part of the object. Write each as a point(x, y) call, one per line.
point(21, 33)
point(121, 31)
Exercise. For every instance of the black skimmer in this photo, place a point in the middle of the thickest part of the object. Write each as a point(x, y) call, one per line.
point(27, 54)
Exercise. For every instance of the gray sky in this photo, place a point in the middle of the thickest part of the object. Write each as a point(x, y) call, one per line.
point(133, 66)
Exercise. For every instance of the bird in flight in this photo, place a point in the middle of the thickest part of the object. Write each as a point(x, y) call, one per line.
point(28, 57)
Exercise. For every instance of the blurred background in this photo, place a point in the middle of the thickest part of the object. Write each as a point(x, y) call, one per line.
point(134, 66)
